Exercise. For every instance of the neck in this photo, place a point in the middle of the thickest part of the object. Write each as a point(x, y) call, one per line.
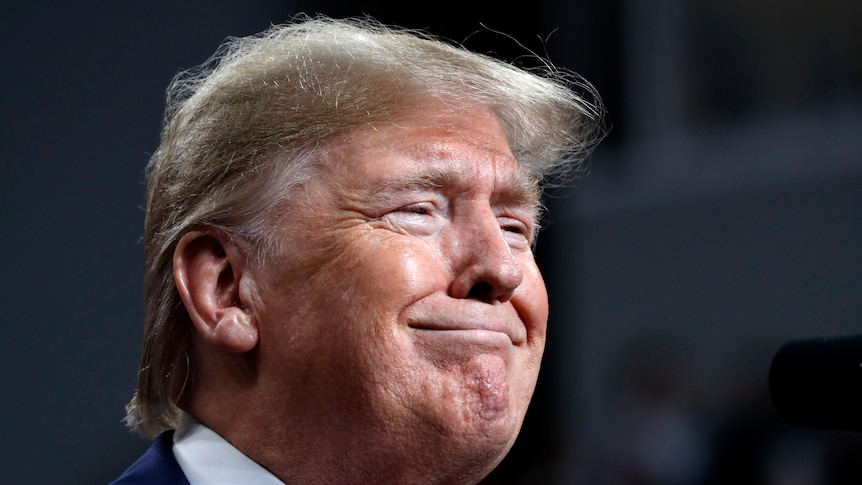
point(305, 451)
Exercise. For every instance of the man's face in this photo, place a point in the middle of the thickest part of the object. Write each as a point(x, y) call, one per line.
point(406, 315)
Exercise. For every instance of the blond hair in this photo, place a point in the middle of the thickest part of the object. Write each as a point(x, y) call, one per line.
point(243, 128)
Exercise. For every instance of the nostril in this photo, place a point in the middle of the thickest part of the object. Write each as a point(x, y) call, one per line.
point(482, 290)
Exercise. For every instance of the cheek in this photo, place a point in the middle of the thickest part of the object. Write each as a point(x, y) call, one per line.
point(357, 296)
point(531, 300)
point(393, 269)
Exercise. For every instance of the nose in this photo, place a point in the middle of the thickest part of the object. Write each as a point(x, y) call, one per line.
point(485, 267)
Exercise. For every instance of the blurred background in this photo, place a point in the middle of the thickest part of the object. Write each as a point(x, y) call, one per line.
point(720, 219)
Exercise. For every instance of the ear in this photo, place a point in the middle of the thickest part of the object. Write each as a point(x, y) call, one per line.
point(211, 275)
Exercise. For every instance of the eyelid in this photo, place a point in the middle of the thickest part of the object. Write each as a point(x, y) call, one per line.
point(522, 228)
point(425, 208)
point(511, 223)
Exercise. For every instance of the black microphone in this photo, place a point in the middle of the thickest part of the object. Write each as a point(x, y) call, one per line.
point(817, 382)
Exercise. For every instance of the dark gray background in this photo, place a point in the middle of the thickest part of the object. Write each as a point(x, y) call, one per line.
point(721, 218)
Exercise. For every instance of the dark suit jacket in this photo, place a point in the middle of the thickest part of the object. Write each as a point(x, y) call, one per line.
point(156, 466)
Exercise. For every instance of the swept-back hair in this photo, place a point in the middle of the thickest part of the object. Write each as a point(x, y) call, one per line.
point(243, 128)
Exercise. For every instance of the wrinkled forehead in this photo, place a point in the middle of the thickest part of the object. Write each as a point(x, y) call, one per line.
point(437, 145)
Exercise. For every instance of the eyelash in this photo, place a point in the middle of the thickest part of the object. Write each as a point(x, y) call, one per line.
point(514, 228)
point(417, 209)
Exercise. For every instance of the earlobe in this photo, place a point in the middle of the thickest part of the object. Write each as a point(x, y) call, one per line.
point(234, 331)
point(210, 274)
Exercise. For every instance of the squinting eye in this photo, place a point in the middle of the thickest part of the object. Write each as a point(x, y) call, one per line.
point(415, 209)
point(516, 232)
point(419, 219)
point(514, 228)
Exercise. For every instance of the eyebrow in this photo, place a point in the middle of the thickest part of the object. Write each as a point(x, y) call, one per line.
point(433, 179)
point(524, 189)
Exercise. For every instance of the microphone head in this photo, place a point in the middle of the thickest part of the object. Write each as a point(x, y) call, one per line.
point(817, 382)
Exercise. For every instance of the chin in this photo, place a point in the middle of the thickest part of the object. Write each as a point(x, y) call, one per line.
point(475, 461)
point(444, 453)
point(484, 441)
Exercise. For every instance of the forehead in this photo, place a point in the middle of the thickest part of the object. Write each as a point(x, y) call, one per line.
point(461, 150)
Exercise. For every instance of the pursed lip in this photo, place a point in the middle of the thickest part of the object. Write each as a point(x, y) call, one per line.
point(467, 325)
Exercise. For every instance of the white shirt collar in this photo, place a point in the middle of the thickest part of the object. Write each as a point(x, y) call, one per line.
point(207, 458)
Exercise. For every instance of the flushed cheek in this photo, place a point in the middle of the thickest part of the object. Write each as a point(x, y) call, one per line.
point(396, 269)
point(531, 301)
point(368, 292)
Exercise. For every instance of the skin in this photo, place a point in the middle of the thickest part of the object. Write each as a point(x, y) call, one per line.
point(398, 337)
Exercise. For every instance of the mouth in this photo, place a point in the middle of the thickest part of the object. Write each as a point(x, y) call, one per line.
point(490, 333)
